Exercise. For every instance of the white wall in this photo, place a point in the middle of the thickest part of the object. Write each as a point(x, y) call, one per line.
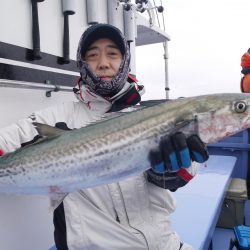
point(26, 221)
point(16, 23)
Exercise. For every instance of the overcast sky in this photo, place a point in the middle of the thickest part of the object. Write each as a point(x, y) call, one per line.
point(208, 38)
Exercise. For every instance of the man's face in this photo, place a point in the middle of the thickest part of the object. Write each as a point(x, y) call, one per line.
point(104, 58)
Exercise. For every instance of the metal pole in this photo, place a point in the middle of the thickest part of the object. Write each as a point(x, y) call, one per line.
point(32, 85)
point(69, 8)
point(113, 12)
point(35, 30)
point(94, 12)
point(165, 45)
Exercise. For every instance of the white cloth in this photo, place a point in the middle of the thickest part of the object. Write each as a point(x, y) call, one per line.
point(142, 208)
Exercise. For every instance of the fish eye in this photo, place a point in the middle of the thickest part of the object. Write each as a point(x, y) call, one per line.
point(240, 107)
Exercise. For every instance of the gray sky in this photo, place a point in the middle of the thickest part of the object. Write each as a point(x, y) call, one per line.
point(208, 38)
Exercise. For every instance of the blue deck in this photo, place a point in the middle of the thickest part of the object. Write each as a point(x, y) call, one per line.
point(238, 146)
point(198, 204)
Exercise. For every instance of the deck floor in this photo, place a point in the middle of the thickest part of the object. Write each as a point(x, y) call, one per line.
point(221, 238)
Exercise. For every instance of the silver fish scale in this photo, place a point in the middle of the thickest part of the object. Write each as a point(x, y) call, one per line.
point(117, 148)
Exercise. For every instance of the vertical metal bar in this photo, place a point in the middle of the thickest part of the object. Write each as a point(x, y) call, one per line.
point(129, 24)
point(66, 39)
point(165, 45)
point(112, 12)
point(93, 11)
point(69, 8)
point(35, 30)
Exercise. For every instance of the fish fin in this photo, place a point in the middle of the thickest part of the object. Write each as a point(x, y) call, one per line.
point(111, 115)
point(48, 131)
point(182, 124)
point(102, 118)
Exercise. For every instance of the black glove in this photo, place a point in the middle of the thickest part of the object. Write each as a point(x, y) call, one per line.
point(171, 161)
point(177, 151)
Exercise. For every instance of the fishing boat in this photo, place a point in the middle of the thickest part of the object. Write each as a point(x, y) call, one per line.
point(38, 42)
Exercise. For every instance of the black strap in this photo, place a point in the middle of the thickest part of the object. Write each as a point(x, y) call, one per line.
point(60, 233)
point(181, 244)
point(60, 236)
point(245, 71)
point(170, 181)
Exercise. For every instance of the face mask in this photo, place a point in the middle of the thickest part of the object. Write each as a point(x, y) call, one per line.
point(89, 78)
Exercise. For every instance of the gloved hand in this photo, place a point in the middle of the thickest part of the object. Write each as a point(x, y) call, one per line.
point(172, 180)
point(172, 161)
point(177, 151)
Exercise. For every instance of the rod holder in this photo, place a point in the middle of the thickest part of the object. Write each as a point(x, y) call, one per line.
point(68, 8)
point(36, 55)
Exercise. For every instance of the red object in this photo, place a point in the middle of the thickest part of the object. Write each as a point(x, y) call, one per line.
point(184, 174)
point(132, 77)
point(245, 60)
point(245, 83)
point(132, 98)
point(1, 152)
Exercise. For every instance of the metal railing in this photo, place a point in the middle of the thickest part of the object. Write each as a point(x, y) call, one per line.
point(33, 85)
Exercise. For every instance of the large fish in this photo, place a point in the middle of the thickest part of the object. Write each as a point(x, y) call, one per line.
point(116, 148)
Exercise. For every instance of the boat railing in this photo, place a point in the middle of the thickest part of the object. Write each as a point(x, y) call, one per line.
point(33, 85)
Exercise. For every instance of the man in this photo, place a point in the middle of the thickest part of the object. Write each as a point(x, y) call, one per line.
point(245, 80)
point(134, 213)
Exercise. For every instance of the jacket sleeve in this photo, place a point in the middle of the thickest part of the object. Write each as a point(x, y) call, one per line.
point(23, 132)
point(17, 135)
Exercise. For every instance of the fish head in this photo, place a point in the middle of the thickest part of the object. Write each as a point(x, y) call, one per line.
point(222, 115)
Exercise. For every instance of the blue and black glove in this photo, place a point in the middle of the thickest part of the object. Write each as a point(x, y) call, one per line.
point(172, 161)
